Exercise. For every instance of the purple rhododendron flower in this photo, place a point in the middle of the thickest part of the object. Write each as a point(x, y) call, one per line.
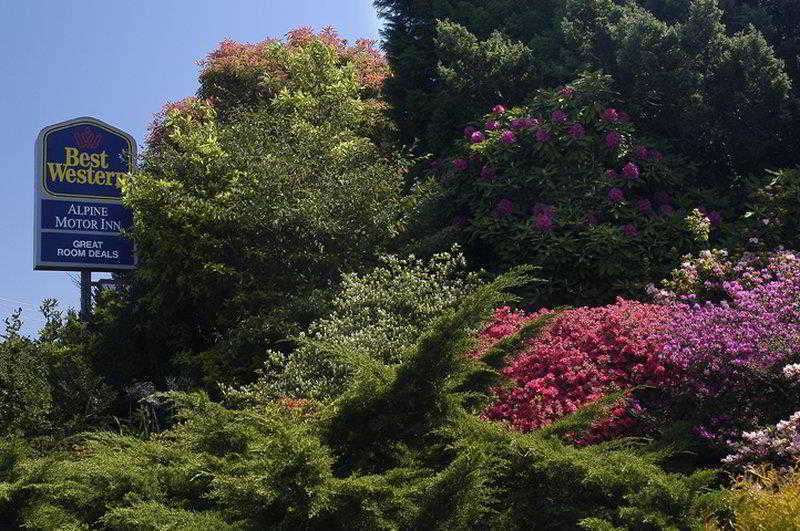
point(577, 131)
point(509, 137)
point(642, 152)
point(543, 135)
point(477, 137)
point(567, 91)
point(468, 131)
point(460, 164)
point(612, 174)
point(504, 207)
point(630, 170)
point(644, 206)
point(518, 123)
point(533, 122)
point(629, 230)
point(492, 125)
point(498, 109)
point(610, 115)
point(559, 116)
point(615, 194)
point(666, 210)
point(591, 219)
point(613, 139)
point(543, 222)
point(488, 173)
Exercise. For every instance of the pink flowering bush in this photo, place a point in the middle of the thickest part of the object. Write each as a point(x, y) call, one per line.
point(729, 350)
point(581, 356)
point(615, 202)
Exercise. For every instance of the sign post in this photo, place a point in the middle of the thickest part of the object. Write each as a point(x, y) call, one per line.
point(79, 217)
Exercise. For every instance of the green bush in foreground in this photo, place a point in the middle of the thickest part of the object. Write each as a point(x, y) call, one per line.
point(47, 385)
point(400, 449)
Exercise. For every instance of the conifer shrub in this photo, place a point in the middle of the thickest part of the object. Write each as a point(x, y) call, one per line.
point(402, 448)
point(567, 183)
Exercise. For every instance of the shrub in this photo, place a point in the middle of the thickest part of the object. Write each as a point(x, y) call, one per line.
point(765, 499)
point(772, 216)
point(581, 356)
point(47, 385)
point(237, 73)
point(720, 94)
point(279, 197)
point(566, 183)
point(728, 355)
point(778, 446)
point(379, 314)
point(399, 450)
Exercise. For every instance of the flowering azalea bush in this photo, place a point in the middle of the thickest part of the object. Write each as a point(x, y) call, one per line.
point(778, 445)
point(581, 356)
point(566, 183)
point(729, 355)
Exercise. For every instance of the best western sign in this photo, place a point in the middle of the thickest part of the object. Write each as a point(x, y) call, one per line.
point(79, 218)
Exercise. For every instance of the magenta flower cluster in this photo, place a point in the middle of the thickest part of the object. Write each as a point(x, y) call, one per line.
point(630, 171)
point(576, 131)
point(615, 195)
point(613, 139)
point(714, 344)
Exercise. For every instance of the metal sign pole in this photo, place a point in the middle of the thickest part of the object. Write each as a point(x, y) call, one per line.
point(86, 295)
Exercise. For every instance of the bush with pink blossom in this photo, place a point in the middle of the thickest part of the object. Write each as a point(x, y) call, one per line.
point(729, 349)
point(566, 183)
point(582, 355)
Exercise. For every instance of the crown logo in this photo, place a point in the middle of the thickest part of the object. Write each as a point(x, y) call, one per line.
point(87, 139)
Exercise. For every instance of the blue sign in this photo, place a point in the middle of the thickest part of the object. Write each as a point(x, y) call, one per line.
point(85, 160)
point(79, 217)
point(85, 216)
point(71, 248)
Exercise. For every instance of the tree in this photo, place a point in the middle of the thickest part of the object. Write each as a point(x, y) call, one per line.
point(254, 198)
point(719, 93)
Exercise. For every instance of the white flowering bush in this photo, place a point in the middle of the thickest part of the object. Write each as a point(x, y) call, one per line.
point(379, 315)
point(778, 445)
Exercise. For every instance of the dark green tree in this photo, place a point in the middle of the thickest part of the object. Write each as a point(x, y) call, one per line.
point(691, 72)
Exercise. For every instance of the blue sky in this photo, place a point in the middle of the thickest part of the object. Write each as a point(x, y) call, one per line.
point(120, 62)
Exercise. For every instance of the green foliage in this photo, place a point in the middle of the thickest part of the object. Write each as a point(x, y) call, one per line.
point(600, 219)
point(772, 211)
point(47, 385)
point(691, 72)
point(244, 225)
point(378, 314)
point(401, 449)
